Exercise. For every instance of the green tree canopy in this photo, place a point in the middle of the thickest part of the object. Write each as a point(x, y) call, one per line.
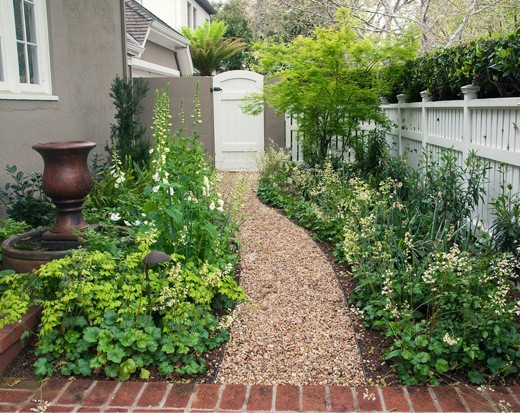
point(234, 14)
point(330, 82)
point(209, 48)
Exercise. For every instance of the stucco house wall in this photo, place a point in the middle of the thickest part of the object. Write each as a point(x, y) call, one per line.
point(175, 12)
point(160, 55)
point(86, 53)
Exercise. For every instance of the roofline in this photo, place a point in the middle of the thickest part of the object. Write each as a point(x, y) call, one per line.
point(168, 32)
point(134, 49)
point(206, 5)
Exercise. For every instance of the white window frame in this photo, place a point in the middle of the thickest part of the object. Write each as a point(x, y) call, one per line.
point(194, 17)
point(189, 9)
point(11, 87)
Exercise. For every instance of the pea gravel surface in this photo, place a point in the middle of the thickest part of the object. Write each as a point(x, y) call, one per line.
point(295, 327)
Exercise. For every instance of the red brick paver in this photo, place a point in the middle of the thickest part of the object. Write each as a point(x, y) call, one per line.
point(260, 398)
point(138, 397)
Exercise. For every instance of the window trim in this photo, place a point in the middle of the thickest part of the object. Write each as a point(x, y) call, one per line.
point(189, 12)
point(12, 88)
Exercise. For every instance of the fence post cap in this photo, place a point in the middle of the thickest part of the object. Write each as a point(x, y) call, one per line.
point(470, 89)
point(401, 98)
point(425, 95)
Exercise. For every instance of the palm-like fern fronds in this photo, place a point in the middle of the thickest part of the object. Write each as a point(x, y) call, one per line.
point(209, 47)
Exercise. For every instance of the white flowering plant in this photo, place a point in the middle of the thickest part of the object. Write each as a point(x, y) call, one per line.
point(98, 318)
point(181, 200)
point(425, 276)
point(101, 313)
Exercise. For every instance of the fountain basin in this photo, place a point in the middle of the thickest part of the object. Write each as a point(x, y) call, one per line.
point(21, 260)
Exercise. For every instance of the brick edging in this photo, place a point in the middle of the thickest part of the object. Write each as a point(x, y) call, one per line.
point(10, 337)
point(140, 397)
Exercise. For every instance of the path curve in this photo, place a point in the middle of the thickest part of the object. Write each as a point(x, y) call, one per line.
point(295, 327)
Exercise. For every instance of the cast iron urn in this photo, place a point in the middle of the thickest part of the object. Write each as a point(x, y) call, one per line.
point(67, 181)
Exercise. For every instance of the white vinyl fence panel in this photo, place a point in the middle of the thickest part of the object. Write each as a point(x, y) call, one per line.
point(490, 127)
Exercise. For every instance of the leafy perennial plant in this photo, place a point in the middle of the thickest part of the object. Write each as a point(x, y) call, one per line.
point(425, 275)
point(100, 313)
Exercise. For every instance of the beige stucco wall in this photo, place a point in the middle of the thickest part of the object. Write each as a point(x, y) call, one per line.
point(274, 125)
point(183, 89)
point(274, 128)
point(86, 54)
point(159, 55)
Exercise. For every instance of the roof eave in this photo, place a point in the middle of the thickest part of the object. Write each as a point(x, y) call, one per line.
point(134, 49)
point(165, 36)
point(206, 6)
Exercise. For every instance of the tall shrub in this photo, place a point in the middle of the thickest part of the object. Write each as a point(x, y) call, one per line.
point(329, 83)
point(127, 135)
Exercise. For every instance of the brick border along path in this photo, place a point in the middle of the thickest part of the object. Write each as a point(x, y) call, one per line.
point(110, 396)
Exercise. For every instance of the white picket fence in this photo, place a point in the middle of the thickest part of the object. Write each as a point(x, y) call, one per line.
point(491, 127)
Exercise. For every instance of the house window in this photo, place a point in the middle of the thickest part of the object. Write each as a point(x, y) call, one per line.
point(194, 18)
point(24, 49)
point(189, 16)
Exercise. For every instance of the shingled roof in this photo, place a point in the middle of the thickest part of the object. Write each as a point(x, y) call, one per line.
point(138, 20)
point(206, 5)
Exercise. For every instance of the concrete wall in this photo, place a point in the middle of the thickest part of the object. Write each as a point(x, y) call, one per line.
point(159, 55)
point(86, 54)
point(274, 128)
point(274, 125)
point(183, 89)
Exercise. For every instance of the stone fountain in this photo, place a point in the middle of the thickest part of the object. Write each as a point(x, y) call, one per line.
point(67, 181)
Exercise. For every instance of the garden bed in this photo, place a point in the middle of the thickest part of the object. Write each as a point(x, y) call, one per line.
point(439, 293)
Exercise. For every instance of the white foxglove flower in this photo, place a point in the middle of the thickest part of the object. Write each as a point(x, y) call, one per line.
point(156, 177)
point(221, 202)
point(115, 217)
point(171, 191)
point(155, 188)
point(212, 206)
point(220, 209)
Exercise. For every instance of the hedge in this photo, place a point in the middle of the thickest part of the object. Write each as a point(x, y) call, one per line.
point(492, 64)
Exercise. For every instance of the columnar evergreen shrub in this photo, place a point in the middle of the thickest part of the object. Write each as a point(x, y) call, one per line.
point(127, 135)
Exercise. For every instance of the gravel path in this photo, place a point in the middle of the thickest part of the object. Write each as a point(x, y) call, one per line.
point(295, 328)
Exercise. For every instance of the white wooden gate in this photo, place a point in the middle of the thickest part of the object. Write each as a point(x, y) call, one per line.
point(239, 137)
